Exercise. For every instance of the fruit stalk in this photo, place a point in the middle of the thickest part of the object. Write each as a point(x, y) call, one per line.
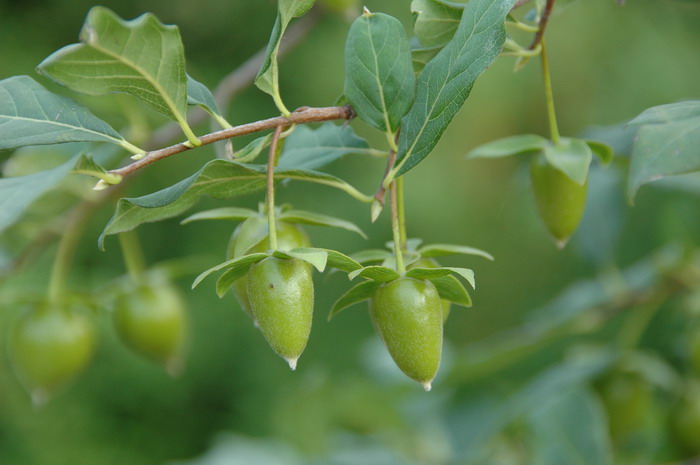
point(549, 96)
point(270, 200)
point(396, 228)
point(133, 254)
point(401, 212)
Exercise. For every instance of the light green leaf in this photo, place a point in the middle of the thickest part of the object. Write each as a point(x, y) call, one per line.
point(226, 213)
point(198, 94)
point(267, 79)
point(446, 81)
point(667, 143)
point(237, 265)
point(309, 148)
point(251, 151)
point(318, 258)
point(31, 115)
point(450, 288)
point(375, 273)
point(436, 21)
point(570, 427)
point(464, 273)
point(355, 295)
point(514, 145)
point(427, 273)
point(220, 179)
point(341, 261)
point(141, 57)
point(317, 219)
point(250, 233)
point(572, 157)
point(440, 250)
point(601, 150)
point(86, 165)
point(379, 79)
point(371, 255)
point(16, 194)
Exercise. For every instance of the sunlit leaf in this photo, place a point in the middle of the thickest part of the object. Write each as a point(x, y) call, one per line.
point(198, 94)
point(450, 288)
point(317, 219)
point(355, 295)
point(572, 157)
point(376, 273)
point(318, 258)
point(514, 145)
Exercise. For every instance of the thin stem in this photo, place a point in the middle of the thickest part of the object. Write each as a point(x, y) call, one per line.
point(270, 200)
point(549, 96)
point(305, 115)
point(401, 212)
point(133, 254)
point(396, 229)
point(544, 20)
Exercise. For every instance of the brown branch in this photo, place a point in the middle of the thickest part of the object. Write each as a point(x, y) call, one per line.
point(301, 116)
point(240, 78)
point(544, 20)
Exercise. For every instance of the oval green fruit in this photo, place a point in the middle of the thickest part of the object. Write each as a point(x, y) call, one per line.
point(431, 263)
point(152, 322)
point(289, 236)
point(281, 295)
point(560, 201)
point(408, 316)
point(48, 347)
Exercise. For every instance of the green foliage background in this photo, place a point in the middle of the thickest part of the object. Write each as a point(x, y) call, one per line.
point(608, 62)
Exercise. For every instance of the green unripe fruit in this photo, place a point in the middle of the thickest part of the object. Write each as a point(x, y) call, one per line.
point(560, 201)
point(628, 399)
point(289, 236)
point(408, 316)
point(430, 263)
point(152, 322)
point(281, 295)
point(48, 347)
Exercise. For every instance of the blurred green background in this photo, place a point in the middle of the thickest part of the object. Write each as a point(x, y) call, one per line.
point(346, 403)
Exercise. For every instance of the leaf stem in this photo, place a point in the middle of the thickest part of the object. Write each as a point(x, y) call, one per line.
point(549, 96)
point(401, 213)
point(270, 200)
point(133, 254)
point(396, 229)
point(305, 115)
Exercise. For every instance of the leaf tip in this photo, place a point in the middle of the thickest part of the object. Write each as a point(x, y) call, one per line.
point(101, 185)
point(376, 210)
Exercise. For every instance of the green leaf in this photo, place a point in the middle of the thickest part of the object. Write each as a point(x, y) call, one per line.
point(355, 295)
point(237, 265)
point(251, 151)
point(379, 79)
point(309, 148)
point(16, 194)
point(267, 79)
point(572, 157)
point(317, 219)
point(318, 258)
point(667, 143)
point(570, 427)
point(375, 273)
point(31, 115)
point(198, 94)
point(371, 255)
point(251, 233)
point(465, 273)
point(341, 261)
point(220, 179)
point(141, 57)
point(450, 288)
point(226, 213)
point(514, 145)
point(601, 150)
point(436, 21)
point(88, 166)
point(440, 250)
point(446, 81)
point(421, 56)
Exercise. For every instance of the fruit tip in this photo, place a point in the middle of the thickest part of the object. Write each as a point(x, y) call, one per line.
point(561, 243)
point(428, 385)
point(292, 363)
point(39, 398)
point(174, 367)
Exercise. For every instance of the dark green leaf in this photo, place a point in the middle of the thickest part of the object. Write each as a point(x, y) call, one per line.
point(88, 166)
point(318, 258)
point(601, 150)
point(317, 219)
point(250, 233)
point(240, 265)
point(142, 57)
point(198, 94)
point(446, 81)
point(440, 250)
point(451, 288)
point(309, 148)
point(267, 79)
point(515, 145)
point(668, 143)
point(421, 56)
point(379, 79)
point(220, 179)
point(226, 213)
point(376, 273)
point(31, 115)
point(355, 295)
point(436, 21)
point(572, 157)
point(570, 427)
point(251, 151)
